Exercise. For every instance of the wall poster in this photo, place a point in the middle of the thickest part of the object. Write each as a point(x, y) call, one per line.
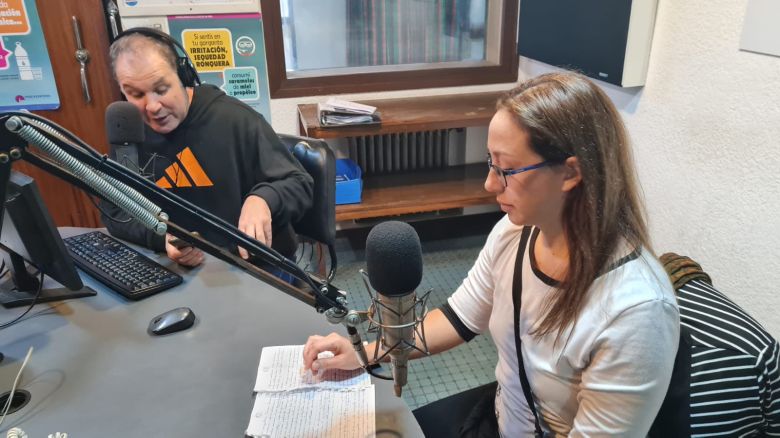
point(26, 76)
point(228, 51)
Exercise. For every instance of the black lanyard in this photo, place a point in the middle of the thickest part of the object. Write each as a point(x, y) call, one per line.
point(517, 292)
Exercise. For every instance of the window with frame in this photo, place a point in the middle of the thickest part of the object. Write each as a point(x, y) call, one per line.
point(319, 47)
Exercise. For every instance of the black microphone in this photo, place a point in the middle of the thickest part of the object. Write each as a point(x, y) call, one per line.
point(125, 131)
point(394, 264)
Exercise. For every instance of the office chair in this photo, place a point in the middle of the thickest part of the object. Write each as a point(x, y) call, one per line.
point(319, 223)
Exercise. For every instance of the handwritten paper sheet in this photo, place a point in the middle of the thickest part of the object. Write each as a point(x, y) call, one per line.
point(292, 403)
point(281, 369)
point(314, 413)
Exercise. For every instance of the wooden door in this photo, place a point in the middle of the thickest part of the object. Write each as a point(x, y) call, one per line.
point(68, 205)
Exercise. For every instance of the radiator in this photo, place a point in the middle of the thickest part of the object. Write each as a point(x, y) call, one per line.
point(400, 152)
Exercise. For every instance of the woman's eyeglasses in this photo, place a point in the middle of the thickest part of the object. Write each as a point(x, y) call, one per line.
point(503, 173)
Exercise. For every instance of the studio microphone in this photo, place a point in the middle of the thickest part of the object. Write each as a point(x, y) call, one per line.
point(125, 131)
point(394, 265)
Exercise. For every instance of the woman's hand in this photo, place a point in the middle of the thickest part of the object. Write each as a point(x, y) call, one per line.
point(440, 336)
point(344, 357)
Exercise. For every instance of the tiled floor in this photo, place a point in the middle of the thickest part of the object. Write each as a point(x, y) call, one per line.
point(446, 262)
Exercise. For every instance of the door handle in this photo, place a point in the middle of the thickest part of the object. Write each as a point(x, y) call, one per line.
point(82, 56)
point(113, 12)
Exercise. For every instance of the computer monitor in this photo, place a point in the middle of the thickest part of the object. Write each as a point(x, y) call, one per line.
point(29, 235)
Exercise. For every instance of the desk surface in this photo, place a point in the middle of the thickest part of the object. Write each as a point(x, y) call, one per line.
point(96, 372)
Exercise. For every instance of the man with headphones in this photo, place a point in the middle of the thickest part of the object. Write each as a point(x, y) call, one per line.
point(207, 147)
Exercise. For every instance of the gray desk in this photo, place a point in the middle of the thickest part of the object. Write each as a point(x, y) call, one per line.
point(95, 372)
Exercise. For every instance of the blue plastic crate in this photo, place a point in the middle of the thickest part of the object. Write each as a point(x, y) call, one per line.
point(349, 184)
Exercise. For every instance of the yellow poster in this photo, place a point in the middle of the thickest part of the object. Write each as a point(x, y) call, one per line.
point(209, 49)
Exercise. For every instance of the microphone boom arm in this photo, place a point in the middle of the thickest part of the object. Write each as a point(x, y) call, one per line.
point(82, 166)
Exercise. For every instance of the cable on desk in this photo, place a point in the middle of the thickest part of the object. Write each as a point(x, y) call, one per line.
point(13, 388)
point(34, 301)
point(370, 370)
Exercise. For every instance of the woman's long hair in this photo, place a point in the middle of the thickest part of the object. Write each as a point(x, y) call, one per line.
point(567, 115)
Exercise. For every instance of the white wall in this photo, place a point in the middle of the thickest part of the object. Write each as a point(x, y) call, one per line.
point(706, 128)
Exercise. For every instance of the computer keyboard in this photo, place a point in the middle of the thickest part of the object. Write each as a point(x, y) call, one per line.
point(119, 266)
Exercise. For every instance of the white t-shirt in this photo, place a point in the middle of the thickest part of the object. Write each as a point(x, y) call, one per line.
point(608, 375)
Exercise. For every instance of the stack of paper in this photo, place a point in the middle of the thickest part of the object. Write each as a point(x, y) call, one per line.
point(291, 402)
point(337, 112)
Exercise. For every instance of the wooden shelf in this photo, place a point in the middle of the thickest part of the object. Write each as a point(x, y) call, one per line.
point(419, 192)
point(411, 114)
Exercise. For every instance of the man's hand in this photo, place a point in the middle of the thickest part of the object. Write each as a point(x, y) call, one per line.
point(344, 356)
point(255, 221)
point(187, 256)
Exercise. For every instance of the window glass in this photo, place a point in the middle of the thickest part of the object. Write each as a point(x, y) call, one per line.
point(321, 35)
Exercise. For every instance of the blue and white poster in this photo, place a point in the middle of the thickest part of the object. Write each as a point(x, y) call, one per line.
point(26, 76)
point(228, 51)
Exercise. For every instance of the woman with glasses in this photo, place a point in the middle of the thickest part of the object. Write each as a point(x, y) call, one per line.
point(583, 315)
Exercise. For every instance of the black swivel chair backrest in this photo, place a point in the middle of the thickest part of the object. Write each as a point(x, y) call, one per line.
point(319, 223)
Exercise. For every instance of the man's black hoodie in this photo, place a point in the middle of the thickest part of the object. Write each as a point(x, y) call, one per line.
point(222, 152)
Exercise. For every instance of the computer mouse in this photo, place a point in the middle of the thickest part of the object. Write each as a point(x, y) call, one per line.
point(172, 321)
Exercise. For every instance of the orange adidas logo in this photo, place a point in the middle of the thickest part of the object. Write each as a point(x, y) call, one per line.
point(189, 174)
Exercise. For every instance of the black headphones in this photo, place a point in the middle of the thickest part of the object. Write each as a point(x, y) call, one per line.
point(184, 68)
